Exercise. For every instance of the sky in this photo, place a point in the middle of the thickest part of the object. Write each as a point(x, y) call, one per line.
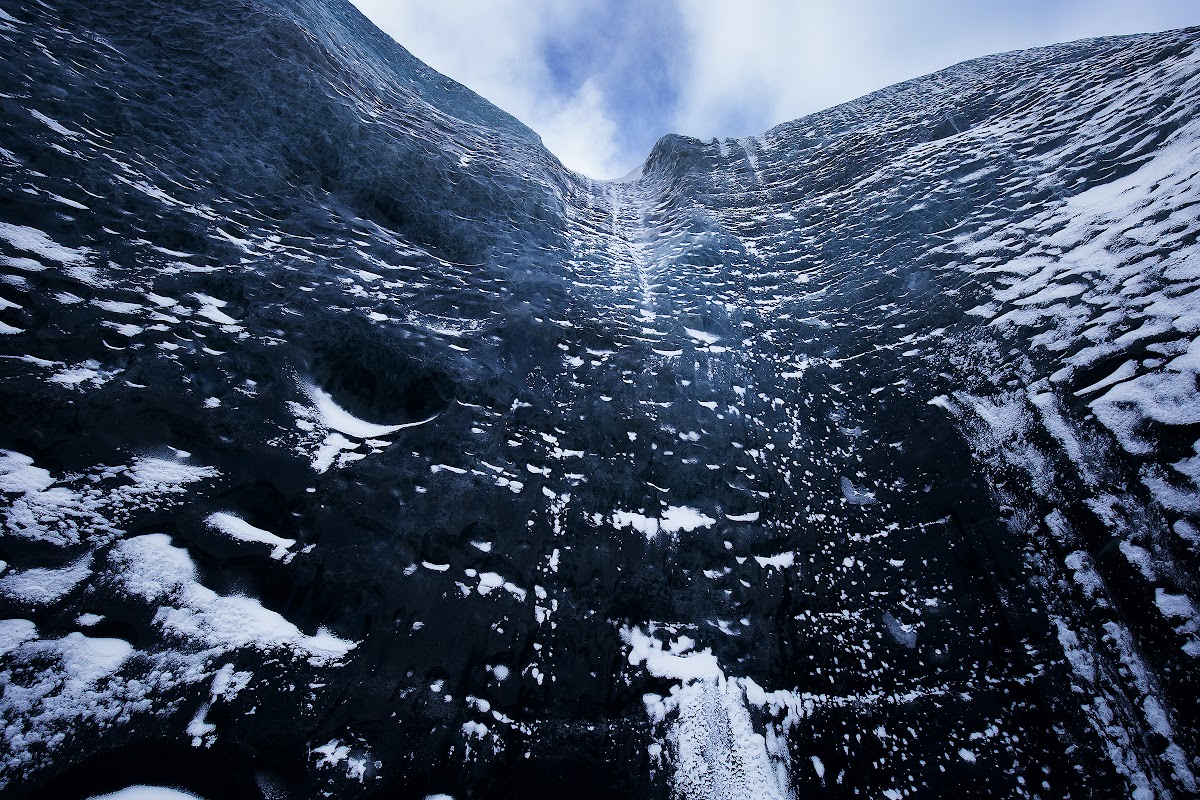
point(601, 80)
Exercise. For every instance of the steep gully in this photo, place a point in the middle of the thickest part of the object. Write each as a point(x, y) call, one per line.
point(353, 445)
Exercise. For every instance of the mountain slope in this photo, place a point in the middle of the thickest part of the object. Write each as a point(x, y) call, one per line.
point(353, 445)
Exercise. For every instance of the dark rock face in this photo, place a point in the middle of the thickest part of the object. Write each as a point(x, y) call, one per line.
point(352, 446)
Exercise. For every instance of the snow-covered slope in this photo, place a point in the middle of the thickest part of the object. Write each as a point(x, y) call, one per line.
point(352, 445)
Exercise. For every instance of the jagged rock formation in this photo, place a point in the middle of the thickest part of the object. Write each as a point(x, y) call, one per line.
point(351, 445)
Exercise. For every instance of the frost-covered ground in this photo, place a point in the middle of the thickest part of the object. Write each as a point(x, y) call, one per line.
point(352, 445)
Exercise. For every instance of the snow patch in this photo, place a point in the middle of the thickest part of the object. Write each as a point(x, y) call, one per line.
point(673, 520)
point(238, 528)
point(144, 792)
point(151, 568)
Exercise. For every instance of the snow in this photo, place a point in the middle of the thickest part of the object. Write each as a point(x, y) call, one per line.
point(151, 568)
point(645, 649)
point(702, 337)
point(685, 518)
point(53, 124)
point(477, 730)
point(490, 581)
point(335, 752)
point(243, 531)
point(1181, 607)
point(32, 265)
point(87, 660)
point(1085, 573)
point(144, 792)
point(151, 475)
point(1167, 397)
point(31, 240)
point(1082, 661)
point(73, 678)
point(1119, 375)
point(200, 729)
point(42, 586)
point(82, 506)
point(1140, 558)
point(88, 372)
point(14, 633)
point(942, 401)
point(118, 307)
point(210, 308)
point(781, 561)
point(673, 520)
point(331, 753)
point(1056, 424)
point(648, 526)
point(717, 750)
point(18, 475)
point(1174, 605)
point(336, 418)
point(333, 446)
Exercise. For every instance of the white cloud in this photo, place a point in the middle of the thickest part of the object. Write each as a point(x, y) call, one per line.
point(582, 133)
point(727, 69)
point(757, 63)
point(495, 48)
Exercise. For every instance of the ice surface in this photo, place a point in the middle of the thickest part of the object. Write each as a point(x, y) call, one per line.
point(856, 495)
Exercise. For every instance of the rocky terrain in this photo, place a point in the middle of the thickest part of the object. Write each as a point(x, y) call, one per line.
point(353, 446)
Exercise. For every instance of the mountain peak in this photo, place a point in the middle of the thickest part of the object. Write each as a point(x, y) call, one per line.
point(352, 445)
